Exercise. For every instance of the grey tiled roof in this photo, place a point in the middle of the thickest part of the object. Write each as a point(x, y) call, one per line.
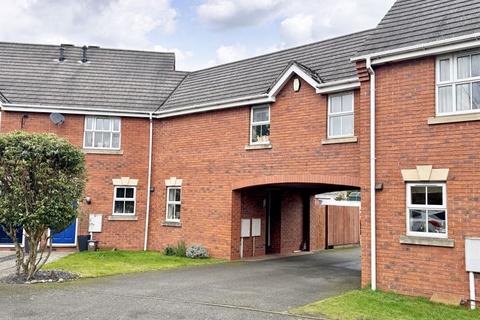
point(329, 59)
point(111, 79)
point(411, 22)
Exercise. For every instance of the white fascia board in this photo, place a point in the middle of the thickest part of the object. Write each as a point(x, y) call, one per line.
point(199, 109)
point(430, 48)
point(428, 52)
point(50, 109)
point(338, 86)
point(286, 76)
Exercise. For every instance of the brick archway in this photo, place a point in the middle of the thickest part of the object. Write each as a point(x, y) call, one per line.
point(297, 179)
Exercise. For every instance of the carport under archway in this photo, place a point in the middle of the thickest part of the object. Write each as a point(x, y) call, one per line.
point(283, 206)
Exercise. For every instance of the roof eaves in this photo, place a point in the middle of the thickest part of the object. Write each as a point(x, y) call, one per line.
point(423, 49)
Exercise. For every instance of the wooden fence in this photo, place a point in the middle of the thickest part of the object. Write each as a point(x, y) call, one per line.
point(343, 225)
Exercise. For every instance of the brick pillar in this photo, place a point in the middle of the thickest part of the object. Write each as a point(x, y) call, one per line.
point(235, 224)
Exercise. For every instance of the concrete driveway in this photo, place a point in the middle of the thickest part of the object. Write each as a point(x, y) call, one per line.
point(238, 290)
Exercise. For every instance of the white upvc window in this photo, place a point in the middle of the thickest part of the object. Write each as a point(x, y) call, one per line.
point(458, 84)
point(124, 200)
point(427, 209)
point(102, 133)
point(260, 125)
point(340, 115)
point(174, 203)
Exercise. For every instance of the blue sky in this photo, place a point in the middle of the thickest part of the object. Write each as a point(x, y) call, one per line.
point(202, 33)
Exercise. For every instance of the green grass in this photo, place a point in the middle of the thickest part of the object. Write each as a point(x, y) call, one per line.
point(377, 305)
point(106, 263)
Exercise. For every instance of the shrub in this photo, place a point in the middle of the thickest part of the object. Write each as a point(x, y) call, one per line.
point(169, 250)
point(197, 252)
point(42, 178)
point(181, 249)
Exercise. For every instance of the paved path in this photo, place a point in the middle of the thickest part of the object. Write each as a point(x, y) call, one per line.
point(238, 290)
point(7, 261)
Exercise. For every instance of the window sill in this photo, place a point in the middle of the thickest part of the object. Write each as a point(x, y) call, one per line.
point(173, 224)
point(122, 218)
point(353, 139)
point(427, 241)
point(258, 146)
point(102, 151)
point(454, 118)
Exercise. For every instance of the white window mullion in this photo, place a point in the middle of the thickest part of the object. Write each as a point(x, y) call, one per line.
point(468, 78)
point(174, 217)
point(340, 115)
point(440, 227)
point(263, 139)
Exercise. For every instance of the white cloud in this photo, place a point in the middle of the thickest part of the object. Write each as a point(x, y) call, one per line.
point(298, 29)
point(229, 53)
point(112, 23)
point(328, 18)
point(235, 13)
point(300, 21)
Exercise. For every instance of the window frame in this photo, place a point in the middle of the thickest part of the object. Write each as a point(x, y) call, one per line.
point(173, 202)
point(427, 207)
point(454, 82)
point(260, 123)
point(94, 132)
point(124, 200)
point(338, 114)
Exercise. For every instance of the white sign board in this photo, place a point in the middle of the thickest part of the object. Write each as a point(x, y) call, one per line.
point(256, 227)
point(245, 231)
point(472, 254)
point(95, 222)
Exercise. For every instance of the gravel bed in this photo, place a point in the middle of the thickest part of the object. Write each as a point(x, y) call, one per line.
point(40, 277)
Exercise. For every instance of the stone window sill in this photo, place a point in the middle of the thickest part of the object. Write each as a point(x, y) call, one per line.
point(102, 151)
point(173, 224)
point(340, 140)
point(258, 146)
point(426, 241)
point(454, 118)
point(122, 218)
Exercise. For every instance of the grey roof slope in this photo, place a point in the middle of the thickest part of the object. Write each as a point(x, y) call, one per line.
point(111, 79)
point(329, 59)
point(411, 22)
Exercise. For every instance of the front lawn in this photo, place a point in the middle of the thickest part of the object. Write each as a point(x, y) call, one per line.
point(105, 263)
point(377, 305)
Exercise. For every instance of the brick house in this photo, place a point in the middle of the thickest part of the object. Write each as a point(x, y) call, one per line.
point(187, 155)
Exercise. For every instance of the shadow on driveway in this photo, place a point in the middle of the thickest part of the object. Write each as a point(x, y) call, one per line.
point(237, 290)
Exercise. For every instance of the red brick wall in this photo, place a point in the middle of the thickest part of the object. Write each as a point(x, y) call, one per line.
point(253, 208)
point(405, 100)
point(292, 222)
point(208, 152)
point(101, 170)
point(317, 225)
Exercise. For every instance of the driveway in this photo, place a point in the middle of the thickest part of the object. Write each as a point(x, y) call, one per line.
point(7, 261)
point(238, 290)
